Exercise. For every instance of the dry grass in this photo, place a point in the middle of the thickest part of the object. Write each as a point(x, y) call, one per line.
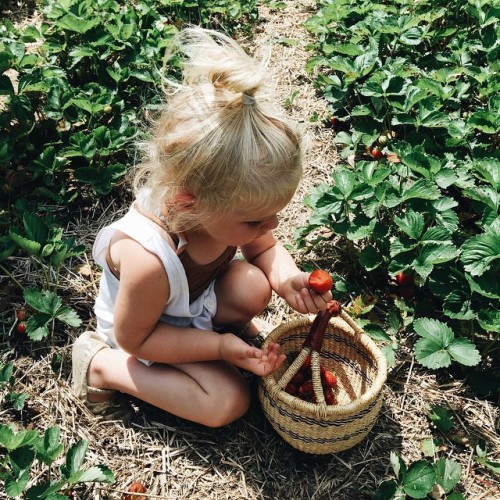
point(176, 459)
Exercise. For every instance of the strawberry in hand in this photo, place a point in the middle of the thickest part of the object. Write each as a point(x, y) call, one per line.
point(320, 281)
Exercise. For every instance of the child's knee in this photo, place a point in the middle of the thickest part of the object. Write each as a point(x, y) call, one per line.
point(231, 406)
point(250, 288)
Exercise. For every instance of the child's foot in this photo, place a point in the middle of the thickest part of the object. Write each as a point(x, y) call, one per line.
point(255, 328)
point(85, 348)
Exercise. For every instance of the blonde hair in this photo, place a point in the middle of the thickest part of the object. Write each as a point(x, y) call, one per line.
point(219, 139)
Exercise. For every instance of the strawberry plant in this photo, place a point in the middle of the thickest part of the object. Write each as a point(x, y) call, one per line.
point(22, 451)
point(421, 478)
point(43, 241)
point(7, 392)
point(416, 87)
point(71, 114)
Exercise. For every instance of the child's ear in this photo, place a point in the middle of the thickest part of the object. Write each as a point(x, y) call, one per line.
point(184, 201)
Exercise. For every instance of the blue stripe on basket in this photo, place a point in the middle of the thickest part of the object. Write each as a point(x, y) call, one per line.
point(319, 440)
point(313, 421)
point(340, 359)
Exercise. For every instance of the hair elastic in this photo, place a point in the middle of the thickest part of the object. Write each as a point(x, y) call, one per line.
point(247, 99)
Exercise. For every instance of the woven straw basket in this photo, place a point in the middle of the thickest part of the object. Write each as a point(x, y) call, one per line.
point(361, 370)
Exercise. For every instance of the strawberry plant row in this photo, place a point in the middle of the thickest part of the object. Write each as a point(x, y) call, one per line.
point(74, 91)
point(412, 91)
point(74, 86)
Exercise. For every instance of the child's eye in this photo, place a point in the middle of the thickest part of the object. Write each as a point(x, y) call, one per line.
point(254, 223)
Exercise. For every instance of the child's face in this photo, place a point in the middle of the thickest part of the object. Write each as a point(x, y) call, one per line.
point(240, 228)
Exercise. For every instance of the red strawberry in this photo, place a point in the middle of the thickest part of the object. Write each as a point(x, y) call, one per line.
point(328, 379)
point(320, 281)
point(404, 279)
point(329, 397)
point(377, 153)
point(135, 488)
point(298, 379)
point(21, 327)
point(291, 389)
point(306, 388)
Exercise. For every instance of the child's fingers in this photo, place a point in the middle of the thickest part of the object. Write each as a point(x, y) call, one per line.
point(253, 352)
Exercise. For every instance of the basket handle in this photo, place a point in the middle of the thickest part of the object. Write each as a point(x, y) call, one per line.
point(312, 347)
point(358, 331)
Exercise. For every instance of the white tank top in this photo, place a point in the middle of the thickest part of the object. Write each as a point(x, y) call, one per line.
point(178, 310)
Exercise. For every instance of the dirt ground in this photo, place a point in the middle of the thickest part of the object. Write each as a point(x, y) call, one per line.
point(176, 459)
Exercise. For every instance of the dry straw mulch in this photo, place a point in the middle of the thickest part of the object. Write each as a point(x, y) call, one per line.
point(176, 459)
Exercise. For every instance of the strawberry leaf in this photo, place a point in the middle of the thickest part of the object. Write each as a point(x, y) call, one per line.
point(448, 473)
point(68, 316)
point(438, 345)
point(431, 354)
point(419, 479)
point(457, 305)
point(434, 330)
point(411, 224)
point(441, 418)
point(480, 251)
point(463, 351)
point(44, 301)
point(36, 327)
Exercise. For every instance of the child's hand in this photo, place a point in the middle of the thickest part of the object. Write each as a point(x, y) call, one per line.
point(304, 300)
point(261, 362)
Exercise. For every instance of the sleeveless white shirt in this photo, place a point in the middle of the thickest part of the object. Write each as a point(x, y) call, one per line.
point(178, 311)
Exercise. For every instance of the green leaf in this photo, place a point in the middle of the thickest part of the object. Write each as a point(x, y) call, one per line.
point(485, 122)
point(360, 227)
point(345, 181)
point(15, 486)
point(370, 258)
point(49, 448)
point(434, 330)
point(421, 189)
point(431, 354)
point(68, 316)
point(487, 169)
point(12, 440)
point(37, 326)
point(428, 114)
point(80, 25)
point(464, 351)
point(441, 418)
point(433, 253)
point(412, 224)
point(489, 320)
point(448, 473)
point(29, 246)
point(74, 459)
point(376, 333)
point(457, 305)
point(98, 473)
point(423, 163)
point(17, 399)
point(387, 490)
point(480, 251)
point(398, 465)
point(419, 479)
point(413, 36)
point(44, 301)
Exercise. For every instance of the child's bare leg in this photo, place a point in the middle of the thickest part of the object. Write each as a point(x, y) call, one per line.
point(211, 393)
point(242, 292)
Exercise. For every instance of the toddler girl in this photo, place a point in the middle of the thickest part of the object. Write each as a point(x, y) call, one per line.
point(174, 300)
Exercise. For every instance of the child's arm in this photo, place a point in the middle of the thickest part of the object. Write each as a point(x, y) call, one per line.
point(285, 277)
point(143, 292)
